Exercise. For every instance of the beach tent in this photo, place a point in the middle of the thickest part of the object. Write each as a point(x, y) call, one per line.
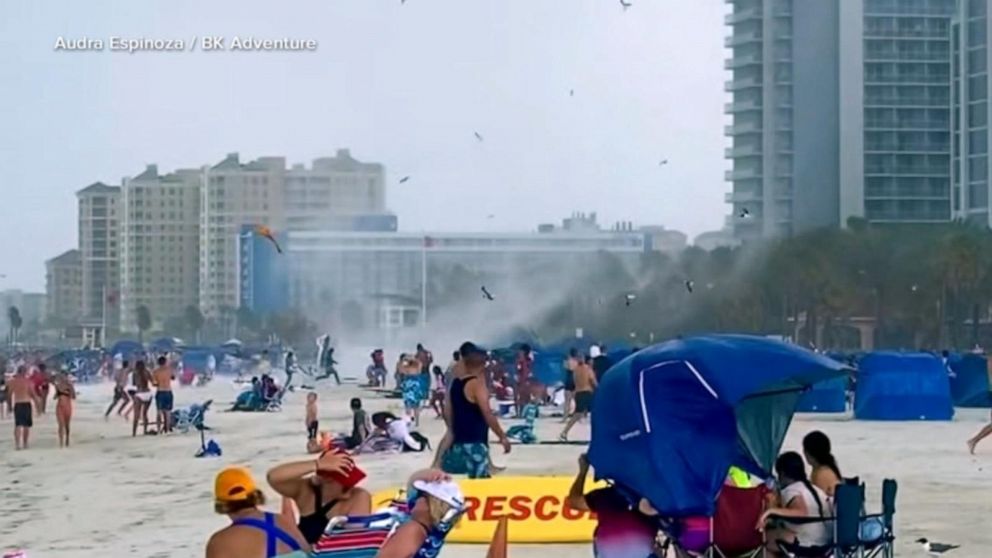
point(828, 396)
point(970, 381)
point(549, 367)
point(127, 348)
point(902, 386)
point(165, 344)
point(672, 419)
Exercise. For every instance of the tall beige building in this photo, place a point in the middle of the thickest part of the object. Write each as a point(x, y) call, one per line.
point(232, 195)
point(160, 243)
point(99, 220)
point(333, 187)
point(265, 192)
point(64, 288)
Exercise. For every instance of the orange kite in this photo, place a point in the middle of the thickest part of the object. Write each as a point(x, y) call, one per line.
point(266, 232)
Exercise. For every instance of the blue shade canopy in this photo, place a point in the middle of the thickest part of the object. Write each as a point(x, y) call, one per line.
point(127, 348)
point(902, 386)
point(970, 381)
point(165, 344)
point(670, 420)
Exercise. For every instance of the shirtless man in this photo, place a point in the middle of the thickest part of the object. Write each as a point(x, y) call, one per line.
point(585, 387)
point(164, 400)
point(142, 396)
point(120, 390)
point(22, 396)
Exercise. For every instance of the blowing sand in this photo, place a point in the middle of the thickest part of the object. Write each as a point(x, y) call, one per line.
point(111, 495)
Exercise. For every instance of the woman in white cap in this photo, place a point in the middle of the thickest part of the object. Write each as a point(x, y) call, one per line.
point(435, 504)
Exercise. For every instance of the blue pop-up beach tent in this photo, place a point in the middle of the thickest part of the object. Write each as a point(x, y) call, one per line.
point(672, 419)
point(902, 386)
point(127, 348)
point(970, 381)
point(828, 396)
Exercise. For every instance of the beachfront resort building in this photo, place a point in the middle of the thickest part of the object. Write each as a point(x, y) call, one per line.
point(335, 192)
point(99, 226)
point(159, 245)
point(64, 288)
point(970, 96)
point(839, 109)
point(383, 278)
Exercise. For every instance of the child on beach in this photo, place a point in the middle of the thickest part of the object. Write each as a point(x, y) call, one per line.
point(311, 418)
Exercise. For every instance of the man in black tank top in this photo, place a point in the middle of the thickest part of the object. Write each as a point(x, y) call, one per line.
point(465, 447)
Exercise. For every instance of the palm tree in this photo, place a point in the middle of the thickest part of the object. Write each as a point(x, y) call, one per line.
point(144, 322)
point(194, 320)
point(15, 321)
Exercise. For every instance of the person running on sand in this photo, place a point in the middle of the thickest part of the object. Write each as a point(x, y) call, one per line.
point(431, 496)
point(322, 489)
point(142, 397)
point(570, 364)
point(311, 417)
point(465, 446)
point(164, 399)
point(585, 388)
point(982, 434)
point(411, 387)
point(65, 393)
point(253, 532)
point(120, 390)
point(21, 394)
point(42, 383)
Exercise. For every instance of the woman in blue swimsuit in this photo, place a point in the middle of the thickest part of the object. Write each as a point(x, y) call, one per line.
point(252, 533)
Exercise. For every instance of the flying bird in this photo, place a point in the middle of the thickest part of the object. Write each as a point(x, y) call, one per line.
point(689, 284)
point(486, 294)
point(663, 162)
point(625, 5)
point(936, 548)
point(628, 298)
point(404, 179)
point(478, 136)
point(266, 232)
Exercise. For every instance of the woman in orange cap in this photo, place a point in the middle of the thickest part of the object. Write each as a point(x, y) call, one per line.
point(253, 532)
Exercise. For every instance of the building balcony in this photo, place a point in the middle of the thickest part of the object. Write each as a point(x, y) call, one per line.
point(742, 39)
point(742, 174)
point(741, 106)
point(741, 61)
point(747, 14)
point(742, 151)
point(737, 84)
point(742, 196)
point(744, 128)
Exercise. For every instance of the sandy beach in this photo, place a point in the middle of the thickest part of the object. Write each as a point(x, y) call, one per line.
point(112, 495)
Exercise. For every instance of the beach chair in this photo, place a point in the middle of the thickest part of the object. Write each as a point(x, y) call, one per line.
point(193, 417)
point(363, 536)
point(730, 533)
point(848, 503)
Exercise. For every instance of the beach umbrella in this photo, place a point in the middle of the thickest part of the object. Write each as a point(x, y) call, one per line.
point(671, 420)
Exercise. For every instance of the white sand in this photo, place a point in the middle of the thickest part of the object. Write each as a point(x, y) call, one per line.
point(111, 495)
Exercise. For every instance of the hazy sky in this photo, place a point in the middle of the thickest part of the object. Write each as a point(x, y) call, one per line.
point(405, 85)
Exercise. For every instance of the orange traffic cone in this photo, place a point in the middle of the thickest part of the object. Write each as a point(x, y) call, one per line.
point(498, 547)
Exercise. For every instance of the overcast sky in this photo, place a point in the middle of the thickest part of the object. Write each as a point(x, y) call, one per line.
point(405, 85)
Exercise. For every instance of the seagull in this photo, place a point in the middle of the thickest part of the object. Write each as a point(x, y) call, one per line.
point(745, 213)
point(663, 162)
point(478, 136)
point(486, 294)
point(404, 179)
point(628, 298)
point(625, 5)
point(935, 548)
point(689, 284)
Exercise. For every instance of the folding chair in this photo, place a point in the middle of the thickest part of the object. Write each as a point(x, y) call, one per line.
point(849, 500)
point(731, 529)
